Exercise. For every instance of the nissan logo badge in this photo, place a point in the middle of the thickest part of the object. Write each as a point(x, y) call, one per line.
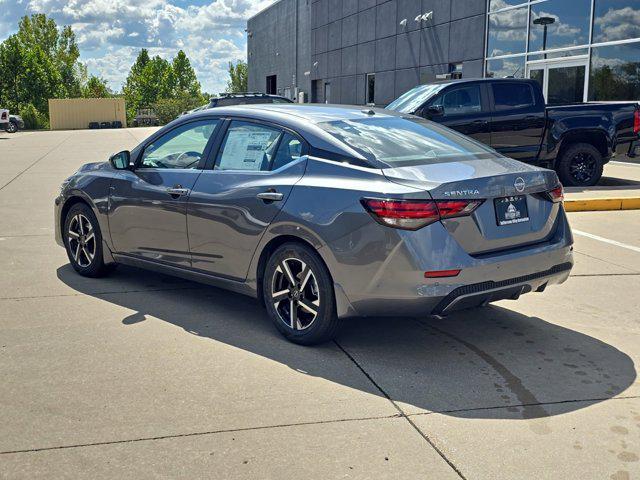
point(519, 184)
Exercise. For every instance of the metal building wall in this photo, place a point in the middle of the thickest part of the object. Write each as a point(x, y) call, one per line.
point(279, 43)
point(351, 38)
point(76, 113)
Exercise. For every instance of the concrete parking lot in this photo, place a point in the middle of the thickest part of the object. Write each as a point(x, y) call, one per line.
point(141, 375)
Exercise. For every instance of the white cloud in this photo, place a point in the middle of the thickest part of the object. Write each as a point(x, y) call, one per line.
point(111, 32)
point(619, 24)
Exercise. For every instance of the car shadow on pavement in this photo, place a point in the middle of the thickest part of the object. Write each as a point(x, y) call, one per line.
point(485, 363)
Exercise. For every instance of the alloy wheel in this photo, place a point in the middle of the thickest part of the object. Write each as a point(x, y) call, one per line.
point(82, 240)
point(295, 294)
point(583, 167)
point(11, 128)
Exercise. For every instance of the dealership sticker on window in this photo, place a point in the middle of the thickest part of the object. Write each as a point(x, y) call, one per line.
point(245, 150)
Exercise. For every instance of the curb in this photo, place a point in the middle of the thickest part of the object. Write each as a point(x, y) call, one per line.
point(602, 204)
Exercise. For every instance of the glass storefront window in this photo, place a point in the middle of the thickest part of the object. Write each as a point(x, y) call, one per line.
point(507, 32)
point(616, 20)
point(561, 54)
point(559, 23)
point(500, 4)
point(615, 72)
point(506, 67)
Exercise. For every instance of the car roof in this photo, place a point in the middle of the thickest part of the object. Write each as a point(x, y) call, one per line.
point(456, 81)
point(245, 95)
point(295, 113)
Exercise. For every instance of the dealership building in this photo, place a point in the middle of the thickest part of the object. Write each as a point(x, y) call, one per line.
point(372, 51)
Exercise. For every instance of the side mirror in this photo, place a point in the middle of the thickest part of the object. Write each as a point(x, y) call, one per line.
point(120, 160)
point(435, 110)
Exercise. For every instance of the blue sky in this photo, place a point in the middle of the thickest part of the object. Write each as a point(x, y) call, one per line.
point(110, 33)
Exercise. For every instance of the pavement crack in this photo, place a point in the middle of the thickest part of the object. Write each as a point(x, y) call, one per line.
point(197, 434)
point(533, 407)
point(401, 413)
point(522, 405)
point(36, 162)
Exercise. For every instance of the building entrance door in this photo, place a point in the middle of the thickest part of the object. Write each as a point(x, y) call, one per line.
point(562, 81)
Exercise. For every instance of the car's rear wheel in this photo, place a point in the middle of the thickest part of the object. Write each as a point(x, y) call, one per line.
point(83, 241)
point(298, 294)
point(580, 166)
point(12, 127)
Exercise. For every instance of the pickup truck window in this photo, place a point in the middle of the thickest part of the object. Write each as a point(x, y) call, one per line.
point(461, 101)
point(512, 96)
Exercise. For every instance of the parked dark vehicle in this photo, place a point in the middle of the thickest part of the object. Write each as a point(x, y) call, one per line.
point(146, 117)
point(321, 213)
point(510, 115)
point(244, 98)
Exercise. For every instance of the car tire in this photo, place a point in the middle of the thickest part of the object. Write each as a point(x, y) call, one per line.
point(83, 242)
point(581, 165)
point(310, 294)
point(12, 127)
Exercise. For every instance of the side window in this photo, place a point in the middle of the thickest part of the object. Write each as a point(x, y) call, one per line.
point(182, 147)
point(290, 149)
point(462, 101)
point(247, 146)
point(511, 96)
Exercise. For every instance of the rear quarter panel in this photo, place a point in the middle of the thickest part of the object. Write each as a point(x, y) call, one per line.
point(324, 210)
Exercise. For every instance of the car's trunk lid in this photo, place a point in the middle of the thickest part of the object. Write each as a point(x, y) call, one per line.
point(489, 179)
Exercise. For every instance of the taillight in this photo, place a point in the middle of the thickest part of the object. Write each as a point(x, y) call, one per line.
point(636, 122)
point(556, 195)
point(4, 115)
point(415, 214)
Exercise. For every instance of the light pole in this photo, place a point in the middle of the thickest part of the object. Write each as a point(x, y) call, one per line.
point(545, 22)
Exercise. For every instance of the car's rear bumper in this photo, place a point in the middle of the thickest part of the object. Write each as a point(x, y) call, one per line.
point(396, 284)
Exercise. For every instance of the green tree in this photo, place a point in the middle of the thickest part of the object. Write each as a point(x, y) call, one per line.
point(186, 81)
point(238, 77)
point(12, 68)
point(39, 62)
point(155, 82)
point(96, 87)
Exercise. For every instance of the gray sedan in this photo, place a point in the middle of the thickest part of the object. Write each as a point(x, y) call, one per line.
point(322, 213)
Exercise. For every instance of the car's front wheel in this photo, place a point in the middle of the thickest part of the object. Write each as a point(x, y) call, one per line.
point(298, 294)
point(83, 241)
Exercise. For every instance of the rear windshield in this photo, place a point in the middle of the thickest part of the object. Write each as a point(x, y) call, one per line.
point(400, 141)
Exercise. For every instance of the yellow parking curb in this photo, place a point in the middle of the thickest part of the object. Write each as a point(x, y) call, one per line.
point(602, 204)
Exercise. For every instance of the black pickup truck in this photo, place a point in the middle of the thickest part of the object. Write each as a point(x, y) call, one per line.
point(510, 115)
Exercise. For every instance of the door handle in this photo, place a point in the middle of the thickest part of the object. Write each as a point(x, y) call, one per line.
point(270, 196)
point(177, 191)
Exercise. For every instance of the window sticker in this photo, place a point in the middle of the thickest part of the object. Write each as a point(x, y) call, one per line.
point(245, 150)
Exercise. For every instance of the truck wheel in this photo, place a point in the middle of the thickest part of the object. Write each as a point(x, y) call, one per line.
point(580, 165)
point(12, 127)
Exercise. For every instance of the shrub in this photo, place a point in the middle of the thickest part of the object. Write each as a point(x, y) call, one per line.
point(33, 119)
point(169, 109)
